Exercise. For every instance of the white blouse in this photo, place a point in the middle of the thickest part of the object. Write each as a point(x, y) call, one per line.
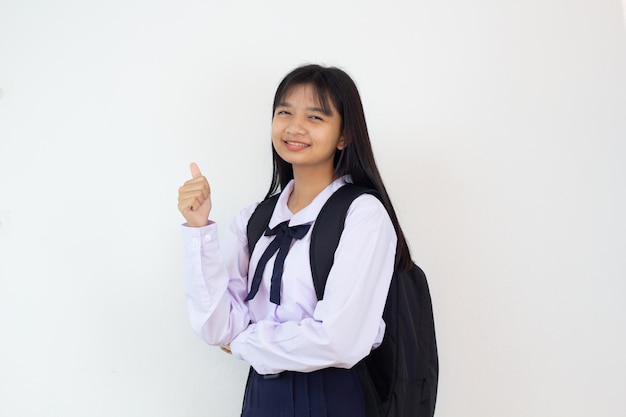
point(301, 334)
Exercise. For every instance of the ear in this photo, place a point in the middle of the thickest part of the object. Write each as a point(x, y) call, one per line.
point(341, 144)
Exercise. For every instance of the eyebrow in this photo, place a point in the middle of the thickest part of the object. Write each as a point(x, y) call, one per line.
point(315, 109)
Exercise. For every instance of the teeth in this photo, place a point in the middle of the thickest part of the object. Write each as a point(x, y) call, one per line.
point(297, 144)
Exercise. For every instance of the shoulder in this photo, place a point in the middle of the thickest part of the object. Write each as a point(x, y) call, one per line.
point(358, 211)
point(357, 198)
point(367, 201)
point(367, 224)
point(367, 207)
point(350, 201)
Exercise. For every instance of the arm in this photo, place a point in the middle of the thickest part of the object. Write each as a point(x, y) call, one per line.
point(346, 323)
point(215, 287)
point(215, 284)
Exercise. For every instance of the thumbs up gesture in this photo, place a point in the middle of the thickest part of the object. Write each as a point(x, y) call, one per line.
point(194, 198)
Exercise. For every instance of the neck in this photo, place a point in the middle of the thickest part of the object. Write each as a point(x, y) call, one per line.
point(307, 185)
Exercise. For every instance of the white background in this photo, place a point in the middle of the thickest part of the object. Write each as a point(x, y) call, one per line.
point(499, 127)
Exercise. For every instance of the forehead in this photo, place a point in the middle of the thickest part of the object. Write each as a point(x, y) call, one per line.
point(309, 94)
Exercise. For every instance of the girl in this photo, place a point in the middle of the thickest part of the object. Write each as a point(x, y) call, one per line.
point(262, 307)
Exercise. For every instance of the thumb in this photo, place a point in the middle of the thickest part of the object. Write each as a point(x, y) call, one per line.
point(195, 171)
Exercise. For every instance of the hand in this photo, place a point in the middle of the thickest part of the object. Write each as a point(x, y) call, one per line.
point(226, 348)
point(194, 198)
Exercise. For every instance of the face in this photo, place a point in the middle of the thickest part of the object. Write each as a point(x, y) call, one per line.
point(303, 134)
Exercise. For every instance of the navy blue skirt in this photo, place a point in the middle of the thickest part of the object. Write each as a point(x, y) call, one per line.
point(330, 392)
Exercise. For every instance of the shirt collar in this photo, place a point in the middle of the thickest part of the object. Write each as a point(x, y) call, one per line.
point(310, 212)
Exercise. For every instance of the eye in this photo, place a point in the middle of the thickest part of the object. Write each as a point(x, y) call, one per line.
point(315, 117)
point(282, 113)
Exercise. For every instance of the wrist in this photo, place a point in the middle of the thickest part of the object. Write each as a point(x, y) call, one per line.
point(197, 223)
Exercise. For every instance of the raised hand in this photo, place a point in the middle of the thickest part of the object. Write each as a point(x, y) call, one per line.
point(194, 198)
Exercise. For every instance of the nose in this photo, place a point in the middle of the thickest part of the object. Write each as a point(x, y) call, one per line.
point(295, 127)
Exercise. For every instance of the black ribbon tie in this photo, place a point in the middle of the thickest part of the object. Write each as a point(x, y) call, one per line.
point(284, 235)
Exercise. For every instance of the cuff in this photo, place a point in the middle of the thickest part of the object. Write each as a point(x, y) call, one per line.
point(238, 344)
point(196, 237)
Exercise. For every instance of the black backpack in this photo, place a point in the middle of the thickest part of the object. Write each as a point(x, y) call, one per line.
point(399, 378)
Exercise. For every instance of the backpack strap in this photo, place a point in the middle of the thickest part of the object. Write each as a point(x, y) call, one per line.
point(327, 231)
point(259, 221)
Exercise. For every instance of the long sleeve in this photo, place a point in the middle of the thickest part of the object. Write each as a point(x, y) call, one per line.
point(216, 281)
point(347, 323)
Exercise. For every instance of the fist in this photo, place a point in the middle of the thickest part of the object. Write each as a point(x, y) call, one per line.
point(194, 198)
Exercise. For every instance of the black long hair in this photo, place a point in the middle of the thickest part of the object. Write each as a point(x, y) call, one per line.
point(356, 158)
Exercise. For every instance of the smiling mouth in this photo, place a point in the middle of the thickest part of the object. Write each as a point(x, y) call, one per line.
point(299, 144)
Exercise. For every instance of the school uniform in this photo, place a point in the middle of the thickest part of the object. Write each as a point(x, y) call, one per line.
point(301, 350)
